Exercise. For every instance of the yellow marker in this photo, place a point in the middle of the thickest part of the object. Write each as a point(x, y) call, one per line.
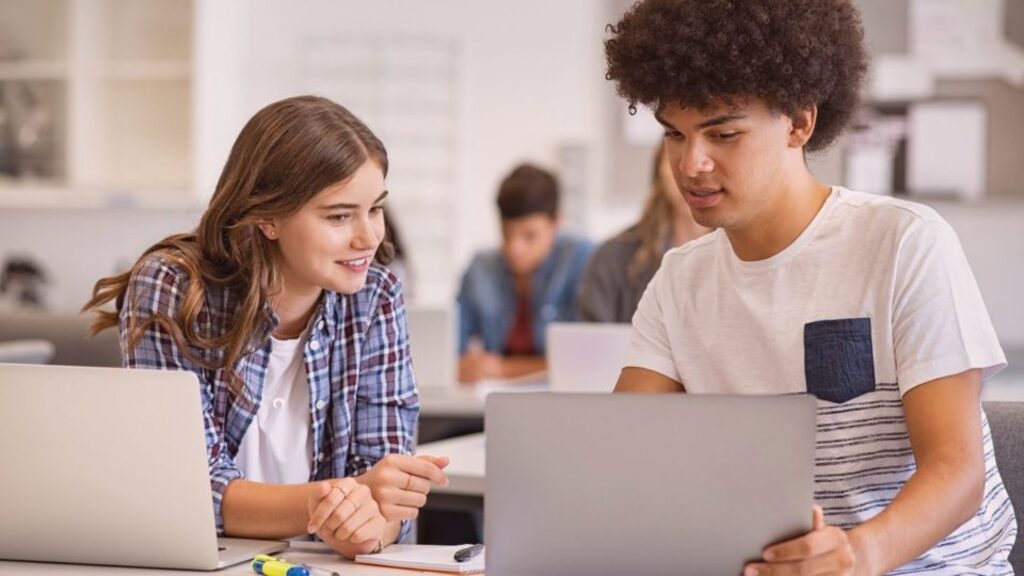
point(270, 566)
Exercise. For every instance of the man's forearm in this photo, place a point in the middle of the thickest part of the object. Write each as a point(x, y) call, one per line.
point(934, 502)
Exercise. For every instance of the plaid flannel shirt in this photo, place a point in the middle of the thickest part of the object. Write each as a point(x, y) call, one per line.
point(363, 396)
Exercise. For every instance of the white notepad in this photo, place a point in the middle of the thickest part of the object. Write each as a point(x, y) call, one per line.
point(423, 557)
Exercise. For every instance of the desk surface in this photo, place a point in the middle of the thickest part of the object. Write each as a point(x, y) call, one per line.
point(313, 553)
point(468, 459)
point(468, 464)
point(458, 400)
point(467, 401)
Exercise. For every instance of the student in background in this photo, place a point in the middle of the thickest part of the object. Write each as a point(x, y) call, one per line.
point(281, 304)
point(508, 296)
point(867, 302)
point(621, 267)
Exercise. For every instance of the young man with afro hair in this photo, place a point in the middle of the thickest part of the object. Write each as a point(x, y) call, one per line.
point(866, 302)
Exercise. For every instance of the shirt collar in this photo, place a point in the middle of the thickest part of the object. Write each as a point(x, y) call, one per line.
point(323, 320)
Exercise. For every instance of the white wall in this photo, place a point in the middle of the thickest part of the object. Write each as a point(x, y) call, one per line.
point(532, 79)
point(77, 247)
point(992, 234)
point(532, 75)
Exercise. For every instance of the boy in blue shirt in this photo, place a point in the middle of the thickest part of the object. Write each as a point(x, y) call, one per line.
point(508, 297)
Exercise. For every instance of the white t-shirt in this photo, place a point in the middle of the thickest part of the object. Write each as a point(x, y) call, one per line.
point(277, 447)
point(874, 298)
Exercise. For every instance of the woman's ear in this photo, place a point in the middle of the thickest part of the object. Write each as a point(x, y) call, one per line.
point(269, 230)
point(803, 126)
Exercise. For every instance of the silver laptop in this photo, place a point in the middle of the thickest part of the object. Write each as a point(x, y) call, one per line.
point(585, 357)
point(432, 345)
point(108, 466)
point(617, 484)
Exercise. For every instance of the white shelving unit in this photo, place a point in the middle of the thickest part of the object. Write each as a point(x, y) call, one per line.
point(110, 85)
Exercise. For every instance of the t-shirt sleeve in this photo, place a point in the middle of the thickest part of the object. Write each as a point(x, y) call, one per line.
point(649, 345)
point(940, 324)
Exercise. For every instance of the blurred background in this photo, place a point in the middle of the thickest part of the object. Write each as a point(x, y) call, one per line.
point(116, 117)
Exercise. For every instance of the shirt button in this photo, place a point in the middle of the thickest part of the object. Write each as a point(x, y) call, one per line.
point(320, 325)
point(320, 404)
point(320, 457)
point(315, 345)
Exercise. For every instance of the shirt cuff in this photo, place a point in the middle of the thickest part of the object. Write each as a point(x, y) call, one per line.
point(653, 362)
point(913, 376)
point(219, 481)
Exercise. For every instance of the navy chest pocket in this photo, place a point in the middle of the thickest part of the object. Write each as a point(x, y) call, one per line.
point(839, 364)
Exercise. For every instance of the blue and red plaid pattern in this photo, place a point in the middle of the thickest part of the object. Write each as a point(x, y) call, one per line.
point(362, 391)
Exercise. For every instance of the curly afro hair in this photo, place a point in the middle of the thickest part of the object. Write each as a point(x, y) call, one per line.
point(788, 53)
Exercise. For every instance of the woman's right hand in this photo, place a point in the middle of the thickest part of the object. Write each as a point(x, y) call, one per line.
point(343, 513)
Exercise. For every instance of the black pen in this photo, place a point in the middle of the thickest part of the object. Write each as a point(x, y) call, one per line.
point(469, 552)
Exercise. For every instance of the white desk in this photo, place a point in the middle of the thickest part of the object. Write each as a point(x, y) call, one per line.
point(466, 471)
point(451, 402)
point(468, 464)
point(468, 459)
point(467, 401)
point(313, 553)
point(460, 401)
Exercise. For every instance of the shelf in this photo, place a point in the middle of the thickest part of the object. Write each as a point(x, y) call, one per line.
point(106, 85)
point(987, 202)
point(37, 70)
point(39, 194)
point(140, 70)
point(123, 70)
point(34, 30)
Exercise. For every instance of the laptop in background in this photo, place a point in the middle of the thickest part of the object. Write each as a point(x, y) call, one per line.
point(611, 484)
point(585, 357)
point(108, 466)
point(432, 344)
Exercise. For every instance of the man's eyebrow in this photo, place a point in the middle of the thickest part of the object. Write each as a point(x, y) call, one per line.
point(346, 206)
point(721, 120)
point(705, 124)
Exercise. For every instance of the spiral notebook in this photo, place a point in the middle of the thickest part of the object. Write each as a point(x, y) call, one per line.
point(424, 557)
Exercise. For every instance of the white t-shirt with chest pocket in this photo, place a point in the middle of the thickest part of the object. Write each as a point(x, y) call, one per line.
point(874, 298)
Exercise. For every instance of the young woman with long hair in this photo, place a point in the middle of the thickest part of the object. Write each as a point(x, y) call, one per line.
point(280, 303)
point(609, 295)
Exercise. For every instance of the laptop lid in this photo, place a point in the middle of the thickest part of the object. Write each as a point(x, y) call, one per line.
point(585, 357)
point(432, 345)
point(105, 466)
point(644, 483)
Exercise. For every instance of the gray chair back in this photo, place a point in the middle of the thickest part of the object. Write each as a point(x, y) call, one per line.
point(1006, 420)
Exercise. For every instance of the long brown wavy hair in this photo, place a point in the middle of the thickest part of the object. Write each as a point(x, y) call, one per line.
point(285, 155)
point(654, 228)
